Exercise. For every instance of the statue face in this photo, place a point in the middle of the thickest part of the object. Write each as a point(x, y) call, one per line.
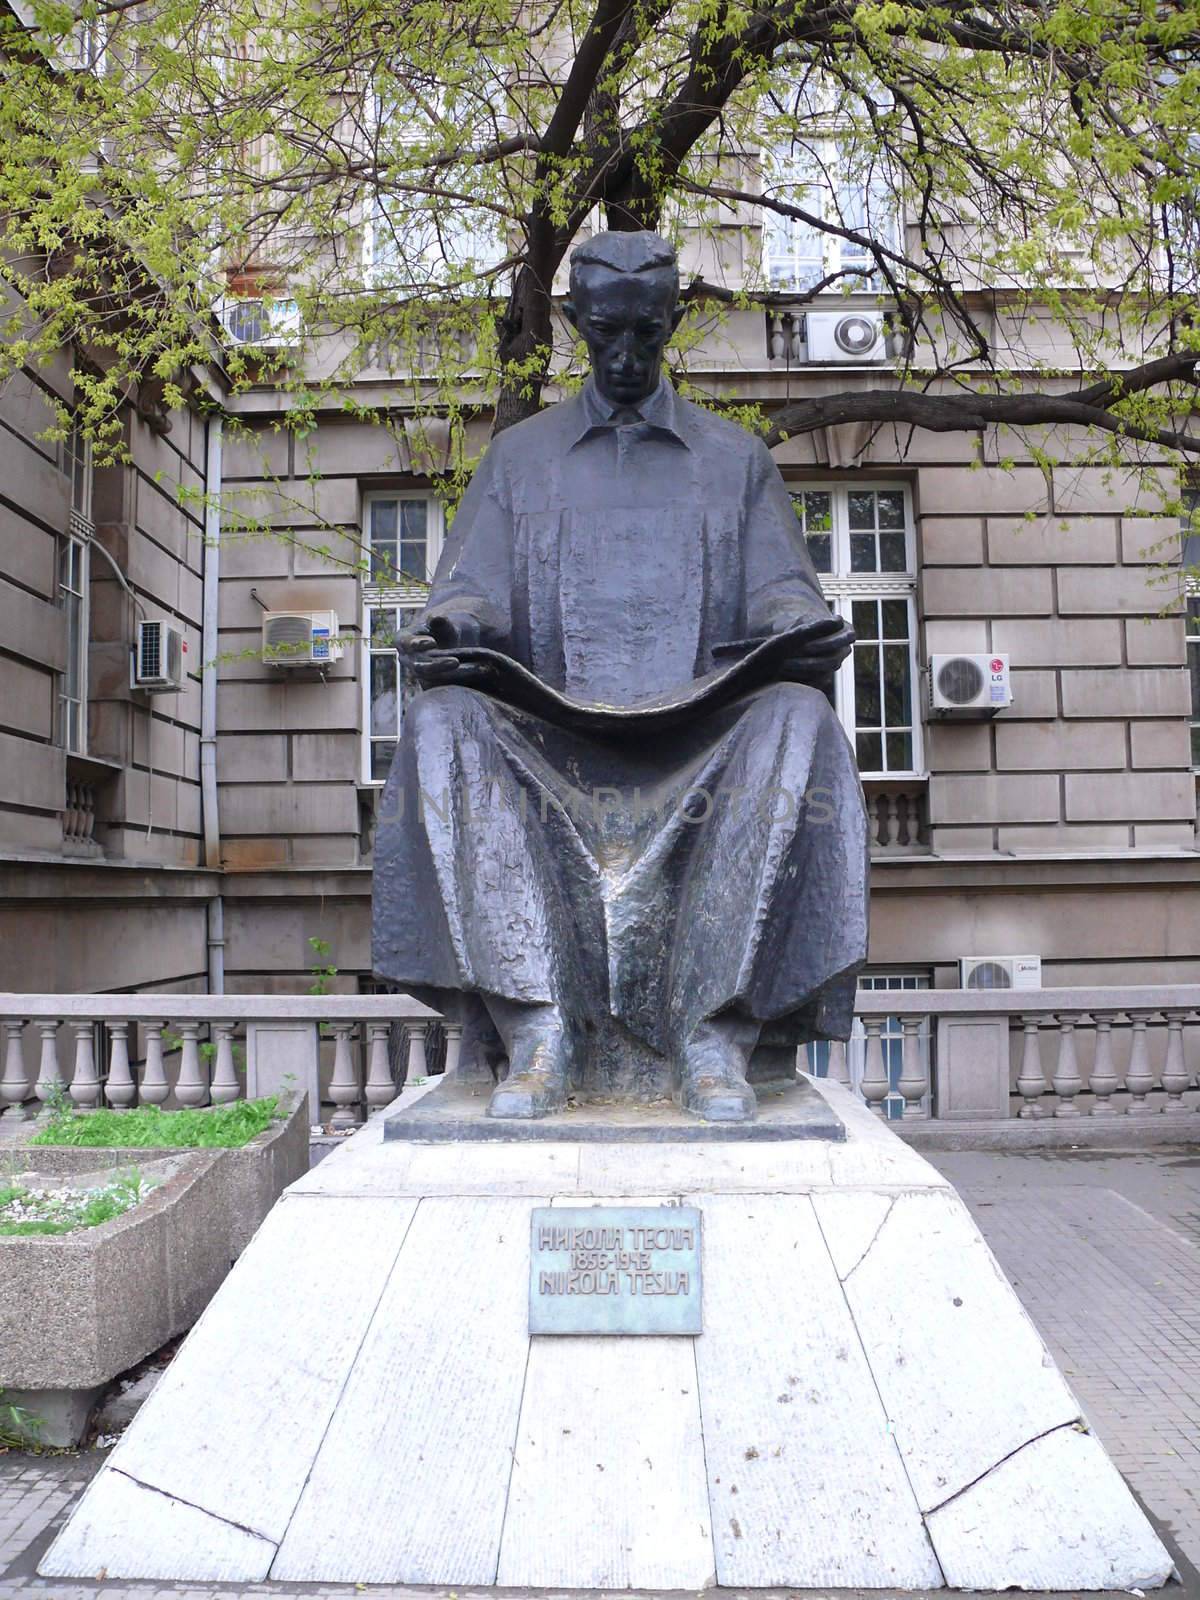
point(625, 319)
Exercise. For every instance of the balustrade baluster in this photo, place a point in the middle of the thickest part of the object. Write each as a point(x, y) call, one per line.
point(453, 1032)
point(1104, 1082)
point(1139, 1080)
point(891, 824)
point(154, 1087)
point(914, 1078)
point(380, 1088)
point(49, 1071)
point(839, 1064)
point(418, 1063)
point(1031, 1083)
point(85, 1083)
point(14, 1085)
point(1175, 1077)
point(343, 1088)
point(1066, 1082)
point(875, 1083)
point(775, 338)
point(191, 1087)
point(225, 1084)
point(120, 1091)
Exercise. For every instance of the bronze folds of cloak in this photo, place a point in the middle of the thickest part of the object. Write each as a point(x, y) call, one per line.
point(623, 836)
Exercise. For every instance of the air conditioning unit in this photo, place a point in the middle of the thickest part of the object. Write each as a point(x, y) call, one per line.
point(158, 657)
point(846, 336)
point(300, 638)
point(264, 324)
point(1000, 972)
point(976, 685)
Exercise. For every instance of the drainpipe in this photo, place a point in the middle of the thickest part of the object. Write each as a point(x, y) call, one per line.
point(209, 645)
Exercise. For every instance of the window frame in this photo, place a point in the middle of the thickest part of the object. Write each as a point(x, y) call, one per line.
point(829, 183)
point(74, 552)
point(410, 596)
point(1189, 530)
point(842, 587)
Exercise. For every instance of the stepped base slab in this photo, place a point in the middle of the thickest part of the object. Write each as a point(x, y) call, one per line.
point(456, 1112)
point(867, 1407)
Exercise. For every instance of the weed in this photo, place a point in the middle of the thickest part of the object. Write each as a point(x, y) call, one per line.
point(212, 1127)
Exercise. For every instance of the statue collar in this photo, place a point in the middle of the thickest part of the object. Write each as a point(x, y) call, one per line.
point(660, 412)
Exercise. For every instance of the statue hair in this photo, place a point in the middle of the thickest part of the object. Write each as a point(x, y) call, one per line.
point(626, 253)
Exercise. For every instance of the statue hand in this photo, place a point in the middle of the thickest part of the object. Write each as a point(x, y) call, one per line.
point(433, 667)
point(439, 633)
point(824, 644)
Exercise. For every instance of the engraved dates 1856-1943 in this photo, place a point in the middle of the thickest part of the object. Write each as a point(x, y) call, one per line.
point(615, 1270)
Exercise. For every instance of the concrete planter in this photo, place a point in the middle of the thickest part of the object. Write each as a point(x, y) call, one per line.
point(79, 1308)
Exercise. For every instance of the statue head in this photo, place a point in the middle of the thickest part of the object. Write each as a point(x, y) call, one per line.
point(624, 305)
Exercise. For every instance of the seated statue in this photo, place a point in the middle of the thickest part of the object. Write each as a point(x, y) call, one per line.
point(622, 807)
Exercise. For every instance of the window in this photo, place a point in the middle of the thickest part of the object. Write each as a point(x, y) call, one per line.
point(824, 178)
point(861, 540)
point(1191, 562)
point(73, 564)
point(404, 534)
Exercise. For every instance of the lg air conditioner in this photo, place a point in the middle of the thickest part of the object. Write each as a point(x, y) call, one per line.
point(158, 657)
point(846, 336)
point(1000, 972)
point(975, 685)
point(300, 638)
point(261, 324)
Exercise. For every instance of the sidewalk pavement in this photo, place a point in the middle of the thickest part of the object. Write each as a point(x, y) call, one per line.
point(1104, 1251)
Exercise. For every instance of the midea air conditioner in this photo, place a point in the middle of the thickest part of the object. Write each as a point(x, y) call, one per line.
point(976, 685)
point(841, 336)
point(1000, 972)
point(300, 638)
point(158, 657)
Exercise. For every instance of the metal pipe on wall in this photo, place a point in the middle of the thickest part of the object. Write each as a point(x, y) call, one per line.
point(209, 644)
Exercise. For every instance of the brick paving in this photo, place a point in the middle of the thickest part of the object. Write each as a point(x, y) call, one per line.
point(1104, 1251)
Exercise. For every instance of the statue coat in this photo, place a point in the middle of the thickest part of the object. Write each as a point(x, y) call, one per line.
point(658, 880)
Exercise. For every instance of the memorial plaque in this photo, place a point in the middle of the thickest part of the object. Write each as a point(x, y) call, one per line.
point(615, 1269)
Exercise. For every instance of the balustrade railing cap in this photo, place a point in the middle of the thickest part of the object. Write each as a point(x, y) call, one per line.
point(216, 1007)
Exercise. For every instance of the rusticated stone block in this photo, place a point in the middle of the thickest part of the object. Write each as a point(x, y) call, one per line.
point(1155, 641)
point(1050, 643)
point(1059, 746)
point(951, 541)
point(1131, 797)
point(1109, 590)
point(1051, 541)
point(993, 798)
point(968, 591)
point(1149, 692)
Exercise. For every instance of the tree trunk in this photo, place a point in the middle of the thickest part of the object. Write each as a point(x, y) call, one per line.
point(526, 334)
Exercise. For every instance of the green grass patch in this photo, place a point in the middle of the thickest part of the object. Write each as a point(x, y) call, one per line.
point(215, 1127)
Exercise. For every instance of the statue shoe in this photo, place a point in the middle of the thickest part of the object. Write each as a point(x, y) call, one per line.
point(537, 1080)
point(713, 1080)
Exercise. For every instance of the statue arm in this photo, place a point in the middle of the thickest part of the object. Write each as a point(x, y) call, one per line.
point(469, 598)
point(782, 587)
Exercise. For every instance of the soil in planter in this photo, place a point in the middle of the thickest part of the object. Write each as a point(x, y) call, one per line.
point(33, 1208)
point(211, 1127)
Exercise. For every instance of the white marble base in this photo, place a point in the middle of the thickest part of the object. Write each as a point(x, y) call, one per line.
point(868, 1405)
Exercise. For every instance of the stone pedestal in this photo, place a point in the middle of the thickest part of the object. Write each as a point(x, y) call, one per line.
point(867, 1406)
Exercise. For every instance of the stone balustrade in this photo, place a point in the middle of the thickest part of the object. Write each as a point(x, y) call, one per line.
point(1068, 1054)
point(195, 1050)
point(897, 819)
point(953, 1054)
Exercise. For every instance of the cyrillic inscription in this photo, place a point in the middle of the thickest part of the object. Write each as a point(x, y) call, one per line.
point(615, 1269)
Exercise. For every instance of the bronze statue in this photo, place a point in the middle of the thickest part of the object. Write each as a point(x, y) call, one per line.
point(624, 824)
